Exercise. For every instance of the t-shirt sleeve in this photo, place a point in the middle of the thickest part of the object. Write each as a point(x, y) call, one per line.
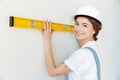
point(79, 61)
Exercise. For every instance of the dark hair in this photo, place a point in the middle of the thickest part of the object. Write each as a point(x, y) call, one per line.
point(96, 24)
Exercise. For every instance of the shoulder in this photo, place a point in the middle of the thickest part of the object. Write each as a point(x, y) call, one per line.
point(91, 44)
point(81, 53)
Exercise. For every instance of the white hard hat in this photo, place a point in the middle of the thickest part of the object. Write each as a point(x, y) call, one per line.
point(90, 11)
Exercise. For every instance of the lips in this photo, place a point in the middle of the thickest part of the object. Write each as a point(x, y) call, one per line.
point(78, 33)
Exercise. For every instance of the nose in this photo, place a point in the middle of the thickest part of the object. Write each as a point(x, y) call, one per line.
point(76, 28)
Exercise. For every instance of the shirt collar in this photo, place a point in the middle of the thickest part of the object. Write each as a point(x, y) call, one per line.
point(89, 44)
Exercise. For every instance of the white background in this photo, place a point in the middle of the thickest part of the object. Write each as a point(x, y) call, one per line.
point(21, 50)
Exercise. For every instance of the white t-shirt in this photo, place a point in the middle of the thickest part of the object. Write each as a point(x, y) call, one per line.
point(82, 63)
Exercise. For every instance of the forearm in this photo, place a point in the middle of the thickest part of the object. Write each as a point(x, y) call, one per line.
point(50, 64)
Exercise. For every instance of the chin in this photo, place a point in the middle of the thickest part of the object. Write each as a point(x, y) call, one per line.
point(78, 38)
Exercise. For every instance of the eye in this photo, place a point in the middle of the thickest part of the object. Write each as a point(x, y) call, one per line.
point(76, 24)
point(85, 25)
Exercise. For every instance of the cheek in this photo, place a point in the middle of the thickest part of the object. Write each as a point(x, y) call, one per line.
point(86, 30)
point(89, 32)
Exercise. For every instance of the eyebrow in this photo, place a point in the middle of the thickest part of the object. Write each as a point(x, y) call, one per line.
point(82, 23)
point(85, 23)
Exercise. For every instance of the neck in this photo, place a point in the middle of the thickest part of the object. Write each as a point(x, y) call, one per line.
point(83, 42)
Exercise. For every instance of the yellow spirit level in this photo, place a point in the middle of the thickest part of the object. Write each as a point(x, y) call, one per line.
point(37, 24)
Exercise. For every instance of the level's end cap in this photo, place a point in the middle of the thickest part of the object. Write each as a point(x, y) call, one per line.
point(11, 18)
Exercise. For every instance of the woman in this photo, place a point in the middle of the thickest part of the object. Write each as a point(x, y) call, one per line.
point(81, 64)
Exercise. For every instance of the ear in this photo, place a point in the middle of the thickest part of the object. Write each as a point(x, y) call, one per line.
point(93, 32)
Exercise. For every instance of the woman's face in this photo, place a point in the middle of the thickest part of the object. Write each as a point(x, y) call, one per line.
point(83, 29)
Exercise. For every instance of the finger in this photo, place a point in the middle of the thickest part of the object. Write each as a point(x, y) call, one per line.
point(45, 28)
point(47, 25)
point(44, 25)
point(50, 26)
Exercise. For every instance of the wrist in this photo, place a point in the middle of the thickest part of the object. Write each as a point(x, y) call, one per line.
point(47, 42)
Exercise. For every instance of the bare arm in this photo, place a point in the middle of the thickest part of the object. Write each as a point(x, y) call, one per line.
point(52, 69)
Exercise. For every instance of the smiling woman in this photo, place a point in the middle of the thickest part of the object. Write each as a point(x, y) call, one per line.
point(81, 65)
point(90, 22)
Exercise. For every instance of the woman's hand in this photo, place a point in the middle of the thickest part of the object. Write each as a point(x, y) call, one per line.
point(47, 31)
